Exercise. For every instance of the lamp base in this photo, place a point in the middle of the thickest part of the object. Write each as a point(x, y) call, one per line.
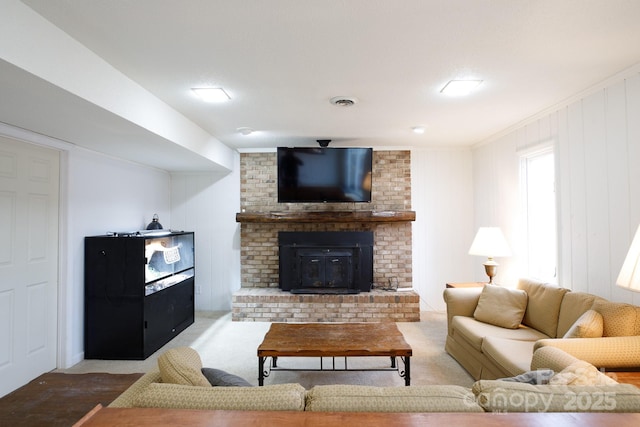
point(490, 267)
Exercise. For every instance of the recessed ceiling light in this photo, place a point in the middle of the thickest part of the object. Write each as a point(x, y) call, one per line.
point(244, 130)
point(460, 87)
point(418, 129)
point(211, 94)
point(343, 101)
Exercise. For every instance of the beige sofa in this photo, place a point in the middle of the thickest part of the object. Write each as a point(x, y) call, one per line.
point(157, 390)
point(493, 331)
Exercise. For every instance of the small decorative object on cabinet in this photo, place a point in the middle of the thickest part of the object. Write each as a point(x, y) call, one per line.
point(139, 290)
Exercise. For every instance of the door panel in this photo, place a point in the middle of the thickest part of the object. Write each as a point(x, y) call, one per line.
point(29, 183)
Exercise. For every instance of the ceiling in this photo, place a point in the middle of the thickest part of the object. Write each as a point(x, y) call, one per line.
point(282, 60)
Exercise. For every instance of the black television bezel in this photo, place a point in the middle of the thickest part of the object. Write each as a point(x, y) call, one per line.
point(321, 200)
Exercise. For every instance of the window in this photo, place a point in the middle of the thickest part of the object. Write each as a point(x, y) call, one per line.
point(539, 206)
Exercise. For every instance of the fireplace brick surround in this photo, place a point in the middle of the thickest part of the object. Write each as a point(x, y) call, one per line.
point(260, 299)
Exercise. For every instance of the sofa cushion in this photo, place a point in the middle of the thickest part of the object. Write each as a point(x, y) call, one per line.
point(220, 378)
point(543, 306)
point(278, 397)
point(589, 325)
point(574, 304)
point(619, 318)
point(513, 356)
point(501, 306)
point(474, 332)
point(182, 365)
point(359, 398)
point(503, 396)
point(581, 373)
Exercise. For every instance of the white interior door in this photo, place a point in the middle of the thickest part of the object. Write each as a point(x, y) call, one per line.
point(29, 186)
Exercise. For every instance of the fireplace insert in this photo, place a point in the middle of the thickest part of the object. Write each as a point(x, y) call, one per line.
point(329, 262)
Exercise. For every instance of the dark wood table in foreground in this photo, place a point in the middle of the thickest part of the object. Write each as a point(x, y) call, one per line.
point(141, 417)
point(334, 340)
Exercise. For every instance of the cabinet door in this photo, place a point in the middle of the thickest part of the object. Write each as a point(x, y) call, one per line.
point(167, 313)
point(158, 322)
point(183, 305)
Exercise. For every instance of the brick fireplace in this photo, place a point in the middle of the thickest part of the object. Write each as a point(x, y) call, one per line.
point(388, 218)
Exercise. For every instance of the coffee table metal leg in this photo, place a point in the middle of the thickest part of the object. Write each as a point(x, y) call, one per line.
point(261, 370)
point(393, 362)
point(407, 370)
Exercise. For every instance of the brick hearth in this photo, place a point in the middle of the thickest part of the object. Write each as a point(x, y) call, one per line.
point(274, 305)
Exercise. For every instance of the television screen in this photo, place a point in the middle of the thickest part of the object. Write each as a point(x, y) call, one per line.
point(324, 174)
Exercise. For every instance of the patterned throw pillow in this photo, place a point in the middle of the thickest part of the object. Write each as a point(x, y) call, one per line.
point(501, 306)
point(619, 318)
point(182, 365)
point(589, 325)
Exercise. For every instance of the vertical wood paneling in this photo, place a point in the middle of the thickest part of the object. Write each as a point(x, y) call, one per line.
point(597, 143)
point(618, 183)
point(563, 199)
point(633, 150)
point(443, 230)
point(596, 191)
point(577, 196)
point(206, 204)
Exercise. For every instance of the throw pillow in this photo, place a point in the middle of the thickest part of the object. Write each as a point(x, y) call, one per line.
point(589, 325)
point(537, 377)
point(501, 306)
point(182, 365)
point(619, 319)
point(220, 378)
point(581, 373)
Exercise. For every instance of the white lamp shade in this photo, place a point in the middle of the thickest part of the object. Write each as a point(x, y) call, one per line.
point(490, 242)
point(629, 277)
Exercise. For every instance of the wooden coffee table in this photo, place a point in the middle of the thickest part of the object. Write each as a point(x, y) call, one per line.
point(334, 340)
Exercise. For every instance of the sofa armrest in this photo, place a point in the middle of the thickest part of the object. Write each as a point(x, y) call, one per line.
point(125, 400)
point(605, 352)
point(550, 357)
point(460, 302)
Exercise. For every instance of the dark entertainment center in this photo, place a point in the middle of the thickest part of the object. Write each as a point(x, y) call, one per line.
point(139, 292)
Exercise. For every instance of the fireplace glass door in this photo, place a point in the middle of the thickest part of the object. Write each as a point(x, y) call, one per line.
point(325, 268)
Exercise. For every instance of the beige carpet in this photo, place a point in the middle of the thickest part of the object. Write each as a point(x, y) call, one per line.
point(231, 346)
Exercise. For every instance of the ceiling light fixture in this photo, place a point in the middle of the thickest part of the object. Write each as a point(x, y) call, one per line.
point(418, 129)
point(460, 87)
point(343, 101)
point(211, 94)
point(244, 130)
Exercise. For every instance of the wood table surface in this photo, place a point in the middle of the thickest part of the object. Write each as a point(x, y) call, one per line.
point(142, 417)
point(334, 340)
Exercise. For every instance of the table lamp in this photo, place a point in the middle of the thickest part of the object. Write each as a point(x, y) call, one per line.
point(490, 242)
point(629, 277)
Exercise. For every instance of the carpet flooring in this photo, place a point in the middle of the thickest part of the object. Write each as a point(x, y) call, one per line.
point(231, 346)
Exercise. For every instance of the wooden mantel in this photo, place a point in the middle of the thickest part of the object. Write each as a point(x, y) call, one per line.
point(325, 216)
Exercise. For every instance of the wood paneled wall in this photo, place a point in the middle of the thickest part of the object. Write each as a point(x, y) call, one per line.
point(442, 195)
point(597, 146)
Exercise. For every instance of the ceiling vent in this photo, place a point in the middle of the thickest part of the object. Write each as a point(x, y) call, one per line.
point(343, 101)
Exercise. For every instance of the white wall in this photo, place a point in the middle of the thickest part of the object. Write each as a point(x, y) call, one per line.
point(103, 194)
point(442, 197)
point(597, 145)
point(207, 204)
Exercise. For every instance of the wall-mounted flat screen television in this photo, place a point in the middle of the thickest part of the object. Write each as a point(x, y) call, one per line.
point(324, 175)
